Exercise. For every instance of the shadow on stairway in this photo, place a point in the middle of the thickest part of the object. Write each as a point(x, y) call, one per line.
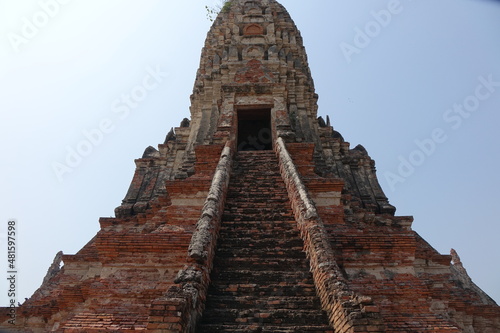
point(260, 280)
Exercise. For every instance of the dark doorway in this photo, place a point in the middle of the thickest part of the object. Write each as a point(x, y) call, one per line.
point(254, 130)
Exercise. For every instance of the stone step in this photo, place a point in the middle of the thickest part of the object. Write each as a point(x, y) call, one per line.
point(285, 223)
point(261, 290)
point(278, 197)
point(291, 317)
point(257, 177)
point(257, 167)
point(257, 264)
point(269, 255)
point(255, 238)
point(251, 157)
point(231, 276)
point(268, 215)
point(257, 184)
point(271, 302)
point(254, 232)
point(260, 280)
point(273, 219)
point(257, 181)
point(265, 244)
point(250, 328)
point(246, 169)
point(247, 229)
point(248, 207)
point(258, 202)
point(261, 167)
point(284, 276)
point(257, 197)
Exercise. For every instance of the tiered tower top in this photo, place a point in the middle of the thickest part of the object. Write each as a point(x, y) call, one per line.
point(253, 69)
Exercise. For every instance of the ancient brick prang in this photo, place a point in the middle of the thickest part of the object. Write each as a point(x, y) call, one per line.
point(256, 216)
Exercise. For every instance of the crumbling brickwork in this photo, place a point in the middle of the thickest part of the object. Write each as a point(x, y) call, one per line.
point(298, 238)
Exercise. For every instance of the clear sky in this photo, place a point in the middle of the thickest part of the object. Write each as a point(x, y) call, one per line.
point(418, 88)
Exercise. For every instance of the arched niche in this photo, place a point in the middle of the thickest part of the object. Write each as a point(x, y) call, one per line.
point(253, 30)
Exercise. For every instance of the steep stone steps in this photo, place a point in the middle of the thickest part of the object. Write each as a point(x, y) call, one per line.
point(250, 236)
point(258, 264)
point(260, 280)
point(256, 250)
point(237, 217)
point(266, 315)
point(249, 327)
point(251, 302)
point(277, 289)
point(241, 276)
point(269, 224)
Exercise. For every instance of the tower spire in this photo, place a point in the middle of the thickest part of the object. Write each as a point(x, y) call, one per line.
point(253, 55)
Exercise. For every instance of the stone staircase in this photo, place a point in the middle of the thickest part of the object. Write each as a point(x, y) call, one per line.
point(260, 280)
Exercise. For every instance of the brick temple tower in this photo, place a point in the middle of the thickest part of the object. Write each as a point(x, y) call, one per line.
point(256, 216)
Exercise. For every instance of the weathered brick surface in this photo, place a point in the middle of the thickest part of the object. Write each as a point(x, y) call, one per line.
point(413, 285)
point(261, 279)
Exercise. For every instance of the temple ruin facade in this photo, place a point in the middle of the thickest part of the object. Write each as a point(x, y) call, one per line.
point(255, 215)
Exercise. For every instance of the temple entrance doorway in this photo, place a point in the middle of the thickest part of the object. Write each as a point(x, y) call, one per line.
point(254, 130)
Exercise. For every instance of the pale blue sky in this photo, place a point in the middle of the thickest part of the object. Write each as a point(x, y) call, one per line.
point(69, 77)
